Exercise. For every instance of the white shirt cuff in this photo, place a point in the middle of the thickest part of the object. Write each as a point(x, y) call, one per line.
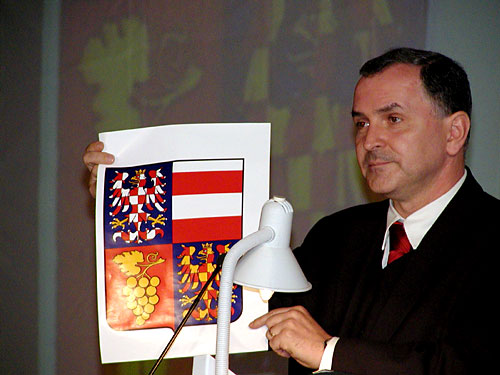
point(327, 358)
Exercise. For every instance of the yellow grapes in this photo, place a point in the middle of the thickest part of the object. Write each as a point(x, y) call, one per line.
point(141, 296)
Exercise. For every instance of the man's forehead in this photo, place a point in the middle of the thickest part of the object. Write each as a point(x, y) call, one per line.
point(403, 73)
point(393, 87)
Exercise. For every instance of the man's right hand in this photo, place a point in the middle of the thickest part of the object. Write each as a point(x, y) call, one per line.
point(92, 157)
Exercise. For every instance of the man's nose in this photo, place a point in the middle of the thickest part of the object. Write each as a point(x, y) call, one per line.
point(374, 137)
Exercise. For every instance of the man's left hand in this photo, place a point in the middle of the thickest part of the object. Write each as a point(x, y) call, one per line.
point(292, 332)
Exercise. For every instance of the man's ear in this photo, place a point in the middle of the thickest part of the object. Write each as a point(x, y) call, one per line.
point(458, 131)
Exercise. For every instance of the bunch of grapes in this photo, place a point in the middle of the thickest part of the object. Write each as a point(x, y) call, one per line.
point(141, 296)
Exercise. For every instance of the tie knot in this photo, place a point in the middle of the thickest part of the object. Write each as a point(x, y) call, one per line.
point(400, 245)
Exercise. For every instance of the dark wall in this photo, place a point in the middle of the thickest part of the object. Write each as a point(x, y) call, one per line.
point(20, 41)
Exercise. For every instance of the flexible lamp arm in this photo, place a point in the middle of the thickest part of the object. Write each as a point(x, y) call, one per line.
point(263, 235)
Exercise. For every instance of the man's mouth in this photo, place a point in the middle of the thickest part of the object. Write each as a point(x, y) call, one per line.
point(377, 163)
point(374, 160)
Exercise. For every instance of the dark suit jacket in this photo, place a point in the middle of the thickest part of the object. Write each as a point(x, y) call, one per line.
point(433, 311)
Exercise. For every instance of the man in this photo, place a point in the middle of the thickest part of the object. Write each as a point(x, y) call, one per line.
point(430, 311)
point(425, 307)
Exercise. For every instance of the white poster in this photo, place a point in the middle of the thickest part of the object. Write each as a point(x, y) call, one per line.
point(176, 197)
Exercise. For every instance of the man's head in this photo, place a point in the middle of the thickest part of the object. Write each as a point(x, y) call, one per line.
point(412, 113)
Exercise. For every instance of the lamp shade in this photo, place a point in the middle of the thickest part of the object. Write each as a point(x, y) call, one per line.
point(272, 264)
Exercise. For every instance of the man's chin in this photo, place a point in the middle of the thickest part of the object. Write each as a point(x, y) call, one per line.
point(379, 185)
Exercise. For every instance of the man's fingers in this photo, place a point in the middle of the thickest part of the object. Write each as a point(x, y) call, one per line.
point(275, 344)
point(282, 353)
point(95, 146)
point(262, 321)
point(272, 336)
point(93, 155)
point(92, 159)
point(276, 316)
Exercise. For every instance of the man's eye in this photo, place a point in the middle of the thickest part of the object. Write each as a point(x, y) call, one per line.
point(361, 124)
point(394, 119)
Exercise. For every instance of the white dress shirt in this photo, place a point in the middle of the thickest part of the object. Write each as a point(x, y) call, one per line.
point(418, 223)
point(416, 226)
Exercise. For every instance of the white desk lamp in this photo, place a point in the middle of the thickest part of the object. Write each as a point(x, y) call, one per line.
point(270, 265)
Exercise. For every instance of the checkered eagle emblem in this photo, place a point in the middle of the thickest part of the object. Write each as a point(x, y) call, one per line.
point(166, 225)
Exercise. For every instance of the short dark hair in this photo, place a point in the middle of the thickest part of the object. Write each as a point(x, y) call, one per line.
point(444, 80)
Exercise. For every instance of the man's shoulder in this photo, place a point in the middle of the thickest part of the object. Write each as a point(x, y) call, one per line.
point(362, 212)
point(351, 221)
point(473, 199)
point(344, 237)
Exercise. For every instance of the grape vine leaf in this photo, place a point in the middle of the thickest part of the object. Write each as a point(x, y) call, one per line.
point(128, 262)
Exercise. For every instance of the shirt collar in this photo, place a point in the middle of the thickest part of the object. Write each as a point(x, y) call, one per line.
point(418, 223)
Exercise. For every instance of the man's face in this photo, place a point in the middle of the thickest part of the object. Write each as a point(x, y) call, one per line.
point(400, 134)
